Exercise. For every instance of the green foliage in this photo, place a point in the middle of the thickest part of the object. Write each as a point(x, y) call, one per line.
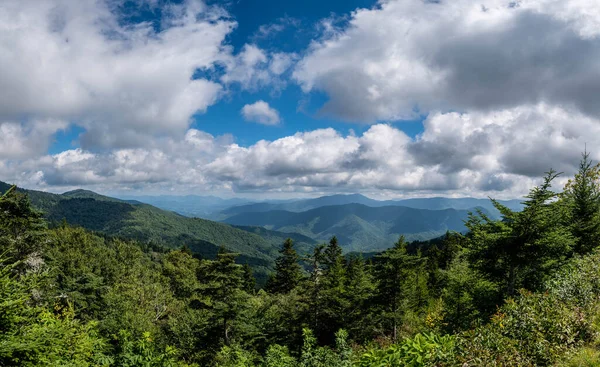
point(525, 247)
point(584, 357)
point(22, 230)
point(399, 289)
point(288, 272)
point(582, 196)
point(314, 356)
point(31, 335)
point(278, 356)
point(421, 350)
point(143, 352)
point(467, 295)
point(520, 291)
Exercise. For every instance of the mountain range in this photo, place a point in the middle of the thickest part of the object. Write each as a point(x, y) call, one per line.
point(359, 227)
point(434, 203)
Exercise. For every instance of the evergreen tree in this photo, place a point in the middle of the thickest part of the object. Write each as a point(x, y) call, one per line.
point(314, 285)
point(360, 288)
point(249, 282)
point(23, 232)
point(288, 272)
point(222, 283)
point(392, 269)
point(582, 194)
point(524, 247)
point(333, 295)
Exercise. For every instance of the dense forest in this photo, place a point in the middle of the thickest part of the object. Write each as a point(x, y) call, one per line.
point(523, 290)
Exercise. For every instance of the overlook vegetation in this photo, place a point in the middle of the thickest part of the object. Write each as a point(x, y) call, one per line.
point(520, 291)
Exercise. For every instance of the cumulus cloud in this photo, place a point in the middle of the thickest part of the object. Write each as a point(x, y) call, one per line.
point(260, 112)
point(254, 68)
point(404, 58)
point(75, 61)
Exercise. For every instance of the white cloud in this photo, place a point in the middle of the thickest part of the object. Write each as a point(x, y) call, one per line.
point(501, 154)
point(27, 140)
point(253, 68)
point(260, 112)
point(74, 61)
point(407, 57)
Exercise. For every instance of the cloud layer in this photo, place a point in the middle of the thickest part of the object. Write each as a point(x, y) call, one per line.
point(458, 154)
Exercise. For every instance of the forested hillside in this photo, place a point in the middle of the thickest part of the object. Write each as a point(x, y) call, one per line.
point(521, 291)
point(156, 227)
point(359, 227)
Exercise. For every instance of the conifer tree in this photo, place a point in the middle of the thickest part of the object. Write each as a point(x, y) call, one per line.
point(288, 272)
point(360, 288)
point(333, 295)
point(392, 269)
point(524, 247)
point(222, 282)
point(22, 228)
point(582, 194)
point(249, 282)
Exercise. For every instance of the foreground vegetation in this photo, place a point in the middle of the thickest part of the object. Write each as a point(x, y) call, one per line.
point(523, 291)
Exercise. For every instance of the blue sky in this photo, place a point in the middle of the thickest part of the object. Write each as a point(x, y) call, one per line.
point(391, 99)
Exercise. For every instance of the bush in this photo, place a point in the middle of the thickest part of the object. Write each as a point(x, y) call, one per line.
point(421, 350)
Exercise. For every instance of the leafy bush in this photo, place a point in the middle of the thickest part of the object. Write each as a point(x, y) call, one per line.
point(421, 350)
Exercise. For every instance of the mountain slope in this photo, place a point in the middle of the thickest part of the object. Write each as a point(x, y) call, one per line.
point(359, 227)
point(149, 224)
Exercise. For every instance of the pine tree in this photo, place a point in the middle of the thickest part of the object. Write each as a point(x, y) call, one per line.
point(249, 282)
point(314, 285)
point(583, 197)
point(393, 268)
point(524, 247)
point(288, 272)
point(334, 298)
point(360, 288)
point(23, 232)
point(222, 282)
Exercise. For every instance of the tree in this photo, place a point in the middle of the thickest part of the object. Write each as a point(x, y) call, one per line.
point(249, 282)
point(288, 272)
point(392, 270)
point(582, 195)
point(222, 284)
point(312, 288)
point(360, 288)
point(523, 248)
point(333, 295)
point(23, 232)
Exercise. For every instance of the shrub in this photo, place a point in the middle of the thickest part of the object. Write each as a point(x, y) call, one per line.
point(421, 350)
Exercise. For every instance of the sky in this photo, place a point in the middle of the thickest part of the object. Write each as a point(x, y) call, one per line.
point(282, 99)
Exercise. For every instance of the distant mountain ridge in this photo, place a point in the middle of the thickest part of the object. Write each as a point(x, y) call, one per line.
point(434, 203)
point(357, 226)
point(188, 205)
